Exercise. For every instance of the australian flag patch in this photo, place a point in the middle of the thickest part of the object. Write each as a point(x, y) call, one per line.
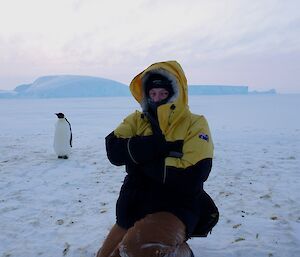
point(204, 136)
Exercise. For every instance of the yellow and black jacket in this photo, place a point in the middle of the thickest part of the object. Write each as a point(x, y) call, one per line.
point(158, 180)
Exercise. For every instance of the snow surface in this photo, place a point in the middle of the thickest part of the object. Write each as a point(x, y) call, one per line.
point(51, 207)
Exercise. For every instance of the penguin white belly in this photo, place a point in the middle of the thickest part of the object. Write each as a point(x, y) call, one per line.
point(62, 138)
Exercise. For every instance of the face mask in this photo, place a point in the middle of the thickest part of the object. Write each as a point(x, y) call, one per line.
point(152, 106)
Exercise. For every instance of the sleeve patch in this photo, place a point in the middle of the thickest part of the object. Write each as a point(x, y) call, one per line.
point(204, 137)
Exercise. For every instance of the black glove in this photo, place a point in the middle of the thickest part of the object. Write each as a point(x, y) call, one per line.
point(175, 149)
point(171, 149)
point(142, 149)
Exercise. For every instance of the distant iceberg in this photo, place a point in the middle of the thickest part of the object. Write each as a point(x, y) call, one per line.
point(268, 92)
point(217, 90)
point(7, 94)
point(64, 86)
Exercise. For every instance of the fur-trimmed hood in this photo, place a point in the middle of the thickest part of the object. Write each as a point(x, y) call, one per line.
point(171, 113)
point(169, 69)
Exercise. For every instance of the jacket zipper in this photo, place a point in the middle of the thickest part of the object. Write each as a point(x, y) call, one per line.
point(165, 174)
point(169, 123)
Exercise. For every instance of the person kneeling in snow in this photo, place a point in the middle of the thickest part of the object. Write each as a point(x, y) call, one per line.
point(168, 154)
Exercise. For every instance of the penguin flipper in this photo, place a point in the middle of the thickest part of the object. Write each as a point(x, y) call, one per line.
point(71, 137)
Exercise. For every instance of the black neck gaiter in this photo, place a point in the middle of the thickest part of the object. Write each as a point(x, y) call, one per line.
point(152, 106)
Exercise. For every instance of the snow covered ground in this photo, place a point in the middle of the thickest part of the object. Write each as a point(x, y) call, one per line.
point(51, 207)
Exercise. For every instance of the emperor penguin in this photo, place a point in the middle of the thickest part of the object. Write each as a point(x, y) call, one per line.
point(62, 137)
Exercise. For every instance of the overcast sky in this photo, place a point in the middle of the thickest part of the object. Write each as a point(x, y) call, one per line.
point(237, 42)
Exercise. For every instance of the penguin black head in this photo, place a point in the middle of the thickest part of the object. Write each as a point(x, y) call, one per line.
point(60, 115)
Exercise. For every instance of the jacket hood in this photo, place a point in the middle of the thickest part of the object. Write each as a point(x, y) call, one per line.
point(171, 114)
point(171, 70)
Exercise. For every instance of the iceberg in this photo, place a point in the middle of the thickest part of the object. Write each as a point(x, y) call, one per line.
point(68, 86)
point(217, 90)
point(64, 86)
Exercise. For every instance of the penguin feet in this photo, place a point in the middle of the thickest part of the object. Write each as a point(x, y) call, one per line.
point(63, 157)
